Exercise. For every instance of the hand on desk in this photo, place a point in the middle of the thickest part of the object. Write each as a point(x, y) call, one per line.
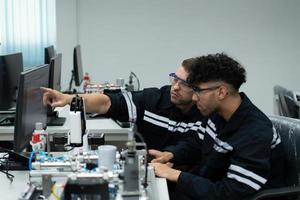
point(165, 171)
point(160, 157)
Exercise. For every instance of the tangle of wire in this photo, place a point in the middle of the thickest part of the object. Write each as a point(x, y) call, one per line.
point(4, 166)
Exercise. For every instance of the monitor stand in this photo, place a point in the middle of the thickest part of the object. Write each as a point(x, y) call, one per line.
point(54, 120)
point(15, 161)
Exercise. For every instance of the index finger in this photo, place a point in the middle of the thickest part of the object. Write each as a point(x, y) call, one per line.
point(44, 89)
point(153, 152)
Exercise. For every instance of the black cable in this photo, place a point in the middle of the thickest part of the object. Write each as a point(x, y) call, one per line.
point(145, 184)
point(8, 175)
point(5, 165)
point(138, 81)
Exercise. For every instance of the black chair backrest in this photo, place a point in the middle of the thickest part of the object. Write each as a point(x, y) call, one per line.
point(289, 130)
point(292, 109)
point(279, 93)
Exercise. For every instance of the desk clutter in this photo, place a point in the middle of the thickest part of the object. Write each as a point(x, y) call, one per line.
point(84, 175)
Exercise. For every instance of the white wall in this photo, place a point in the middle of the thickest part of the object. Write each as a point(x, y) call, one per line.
point(66, 21)
point(151, 38)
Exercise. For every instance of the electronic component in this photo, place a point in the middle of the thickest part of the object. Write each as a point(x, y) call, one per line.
point(86, 188)
point(77, 121)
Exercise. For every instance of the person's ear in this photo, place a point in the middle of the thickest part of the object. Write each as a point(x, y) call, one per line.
point(222, 92)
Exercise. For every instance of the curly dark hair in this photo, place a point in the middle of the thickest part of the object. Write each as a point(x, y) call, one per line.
point(216, 67)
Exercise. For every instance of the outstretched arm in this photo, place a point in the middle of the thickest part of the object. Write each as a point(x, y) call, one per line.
point(95, 103)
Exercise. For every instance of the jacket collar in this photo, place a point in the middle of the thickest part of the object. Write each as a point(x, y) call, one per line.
point(165, 102)
point(238, 116)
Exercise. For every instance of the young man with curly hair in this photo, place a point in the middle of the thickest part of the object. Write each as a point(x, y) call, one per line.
point(245, 155)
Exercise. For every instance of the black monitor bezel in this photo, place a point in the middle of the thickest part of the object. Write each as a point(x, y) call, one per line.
point(13, 66)
point(21, 141)
point(77, 65)
point(3, 90)
point(49, 53)
point(55, 72)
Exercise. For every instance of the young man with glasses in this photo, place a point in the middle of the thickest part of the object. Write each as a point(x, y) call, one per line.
point(163, 116)
point(245, 155)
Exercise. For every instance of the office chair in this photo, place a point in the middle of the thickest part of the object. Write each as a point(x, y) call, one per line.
point(291, 107)
point(279, 101)
point(289, 130)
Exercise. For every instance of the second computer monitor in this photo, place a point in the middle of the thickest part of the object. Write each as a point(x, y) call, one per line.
point(77, 62)
point(12, 66)
point(49, 54)
point(30, 107)
point(3, 102)
point(55, 72)
point(54, 83)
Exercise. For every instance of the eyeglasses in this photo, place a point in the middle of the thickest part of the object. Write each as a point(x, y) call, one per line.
point(182, 83)
point(198, 91)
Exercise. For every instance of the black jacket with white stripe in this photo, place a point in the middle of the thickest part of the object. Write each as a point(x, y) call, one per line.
point(246, 156)
point(160, 122)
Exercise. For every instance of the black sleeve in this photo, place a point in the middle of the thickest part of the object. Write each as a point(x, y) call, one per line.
point(129, 106)
point(187, 151)
point(247, 172)
point(118, 109)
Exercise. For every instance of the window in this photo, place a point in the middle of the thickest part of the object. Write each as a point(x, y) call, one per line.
point(27, 26)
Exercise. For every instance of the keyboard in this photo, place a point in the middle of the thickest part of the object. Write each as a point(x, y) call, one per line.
point(7, 119)
point(12, 165)
point(15, 161)
point(56, 121)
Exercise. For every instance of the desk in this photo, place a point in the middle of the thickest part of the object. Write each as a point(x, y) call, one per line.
point(113, 132)
point(12, 190)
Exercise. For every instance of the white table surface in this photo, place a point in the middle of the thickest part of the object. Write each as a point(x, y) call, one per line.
point(12, 190)
point(113, 132)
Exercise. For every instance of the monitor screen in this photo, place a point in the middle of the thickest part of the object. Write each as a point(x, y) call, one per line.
point(3, 102)
point(30, 107)
point(12, 65)
point(55, 72)
point(49, 54)
point(77, 62)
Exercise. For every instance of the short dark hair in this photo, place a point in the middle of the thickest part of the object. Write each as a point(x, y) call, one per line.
point(188, 63)
point(217, 67)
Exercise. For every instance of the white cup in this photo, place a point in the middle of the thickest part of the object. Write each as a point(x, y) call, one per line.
point(107, 156)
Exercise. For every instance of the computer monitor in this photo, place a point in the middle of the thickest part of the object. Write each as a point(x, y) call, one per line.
point(55, 72)
point(3, 101)
point(49, 54)
point(12, 66)
point(54, 83)
point(30, 107)
point(77, 65)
